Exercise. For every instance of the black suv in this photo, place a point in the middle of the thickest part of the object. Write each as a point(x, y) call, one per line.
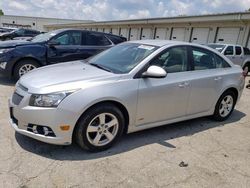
point(17, 57)
point(19, 33)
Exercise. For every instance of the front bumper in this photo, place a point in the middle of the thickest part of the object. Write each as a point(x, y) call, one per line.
point(23, 115)
point(7, 71)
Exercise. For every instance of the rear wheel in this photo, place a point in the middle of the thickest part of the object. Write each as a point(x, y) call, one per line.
point(100, 127)
point(23, 67)
point(225, 106)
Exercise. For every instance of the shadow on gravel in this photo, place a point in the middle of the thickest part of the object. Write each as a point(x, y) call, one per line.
point(129, 142)
point(6, 81)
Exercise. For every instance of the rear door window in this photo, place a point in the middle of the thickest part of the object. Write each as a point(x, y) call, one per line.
point(238, 50)
point(115, 39)
point(96, 39)
point(204, 59)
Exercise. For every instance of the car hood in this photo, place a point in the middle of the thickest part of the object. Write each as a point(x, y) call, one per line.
point(13, 43)
point(65, 76)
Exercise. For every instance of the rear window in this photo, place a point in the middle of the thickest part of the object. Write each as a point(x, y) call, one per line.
point(219, 47)
point(246, 51)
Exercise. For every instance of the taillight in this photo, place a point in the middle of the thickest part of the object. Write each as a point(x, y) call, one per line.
point(245, 72)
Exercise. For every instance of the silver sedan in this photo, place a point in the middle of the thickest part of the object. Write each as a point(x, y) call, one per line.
point(130, 87)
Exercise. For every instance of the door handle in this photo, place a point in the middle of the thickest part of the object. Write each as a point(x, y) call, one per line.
point(217, 78)
point(183, 85)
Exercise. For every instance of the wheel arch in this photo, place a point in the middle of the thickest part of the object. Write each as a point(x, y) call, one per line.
point(233, 89)
point(119, 105)
point(247, 63)
point(24, 58)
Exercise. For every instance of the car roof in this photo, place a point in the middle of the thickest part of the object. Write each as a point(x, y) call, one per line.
point(161, 43)
point(223, 44)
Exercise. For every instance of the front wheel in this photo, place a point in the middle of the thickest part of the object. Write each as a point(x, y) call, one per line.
point(225, 106)
point(100, 127)
point(23, 67)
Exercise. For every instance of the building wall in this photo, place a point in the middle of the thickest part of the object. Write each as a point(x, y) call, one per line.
point(36, 23)
point(223, 28)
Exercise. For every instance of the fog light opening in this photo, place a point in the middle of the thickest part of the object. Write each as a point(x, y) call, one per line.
point(42, 130)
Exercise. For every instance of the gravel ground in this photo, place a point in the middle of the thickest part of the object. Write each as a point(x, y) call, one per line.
point(196, 153)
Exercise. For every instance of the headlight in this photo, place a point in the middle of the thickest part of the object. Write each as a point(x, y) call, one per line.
point(5, 50)
point(48, 100)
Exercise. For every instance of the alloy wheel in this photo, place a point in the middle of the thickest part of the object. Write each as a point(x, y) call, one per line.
point(25, 68)
point(102, 129)
point(226, 105)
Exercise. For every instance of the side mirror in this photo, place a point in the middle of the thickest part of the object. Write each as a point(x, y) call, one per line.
point(154, 72)
point(53, 43)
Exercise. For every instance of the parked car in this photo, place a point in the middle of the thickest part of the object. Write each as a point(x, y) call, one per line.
point(237, 54)
point(6, 30)
point(130, 87)
point(19, 57)
point(18, 33)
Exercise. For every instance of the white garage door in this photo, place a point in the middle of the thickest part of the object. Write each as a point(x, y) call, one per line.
point(134, 34)
point(248, 43)
point(115, 31)
point(161, 33)
point(146, 33)
point(228, 35)
point(106, 30)
point(124, 32)
point(178, 34)
point(200, 35)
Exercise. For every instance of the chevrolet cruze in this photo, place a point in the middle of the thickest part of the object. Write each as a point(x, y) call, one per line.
point(130, 87)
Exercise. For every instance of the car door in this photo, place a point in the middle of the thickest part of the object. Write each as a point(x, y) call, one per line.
point(65, 47)
point(206, 82)
point(229, 52)
point(161, 99)
point(93, 43)
point(238, 59)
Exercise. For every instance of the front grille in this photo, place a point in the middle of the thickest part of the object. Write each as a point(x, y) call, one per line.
point(16, 98)
point(12, 116)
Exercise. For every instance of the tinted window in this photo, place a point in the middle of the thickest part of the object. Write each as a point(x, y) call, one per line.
point(204, 59)
point(218, 47)
point(172, 60)
point(229, 51)
point(94, 39)
point(220, 62)
point(238, 50)
point(20, 32)
point(115, 39)
point(246, 51)
point(69, 38)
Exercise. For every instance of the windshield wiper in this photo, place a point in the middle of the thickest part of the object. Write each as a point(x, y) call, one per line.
point(101, 67)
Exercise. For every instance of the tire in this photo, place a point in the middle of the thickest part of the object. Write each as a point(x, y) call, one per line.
point(228, 99)
point(91, 131)
point(21, 65)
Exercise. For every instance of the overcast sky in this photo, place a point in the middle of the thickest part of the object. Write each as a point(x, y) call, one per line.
point(119, 9)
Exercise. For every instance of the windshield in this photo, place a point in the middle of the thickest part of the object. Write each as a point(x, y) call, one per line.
point(43, 37)
point(122, 58)
point(219, 47)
